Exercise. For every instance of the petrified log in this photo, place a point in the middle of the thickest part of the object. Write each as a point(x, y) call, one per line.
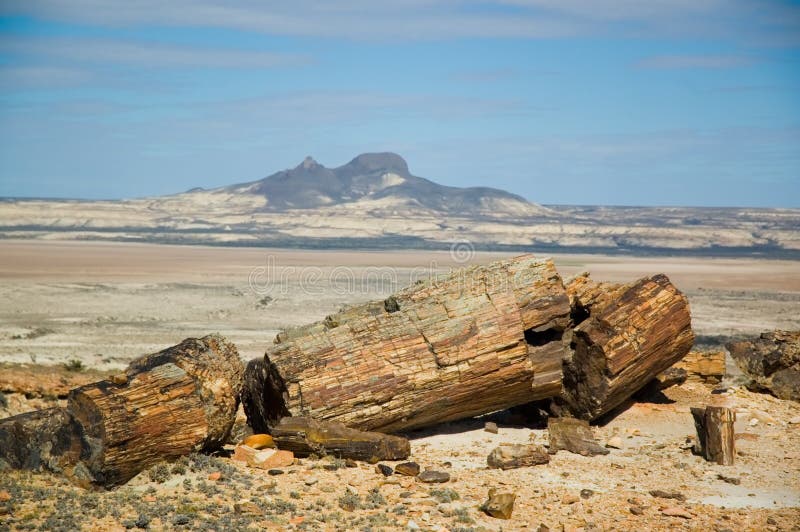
point(715, 436)
point(772, 362)
point(573, 435)
point(304, 436)
point(624, 340)
point(165, 405)
point(482, 339)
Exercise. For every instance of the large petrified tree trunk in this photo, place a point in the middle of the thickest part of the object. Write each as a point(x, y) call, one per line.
point(482, 339)
point(628, 335)
point(165, 405)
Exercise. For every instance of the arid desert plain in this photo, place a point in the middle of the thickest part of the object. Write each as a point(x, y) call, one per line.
point(97, 305)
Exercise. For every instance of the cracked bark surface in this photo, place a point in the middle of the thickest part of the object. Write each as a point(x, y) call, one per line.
point(441, 350)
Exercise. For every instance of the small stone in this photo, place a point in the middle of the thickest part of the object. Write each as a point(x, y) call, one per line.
point(636, 510)
point(586, 493)
point(543, 528)
point(753, 421)
point(297, 520)
point(517, 455)
point(730, 480)
point(5, 496)
point(259, 441)
point(795, 420)
point(674, 511)
point(569, 498)
point(384, 470)
point(615, 442)
point(490, 426)
point(310, 481)
point(264, 459)
point(772, 521)
point(405, 494)
point(248, 508)
point(661, 494)
point(411, 525)
point(433, 477)
point(275, 472)
point(499, 505)
point(216, 475)
point(349, 462)
point(410, 469)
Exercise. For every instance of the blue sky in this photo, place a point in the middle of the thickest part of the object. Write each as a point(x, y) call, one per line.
point(681, 102)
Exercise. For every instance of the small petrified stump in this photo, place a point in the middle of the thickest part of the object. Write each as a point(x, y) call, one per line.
point(573, 435)
point(304, 436)
point(703, 366)
point(499, 505)
point(517, 455)
point(715, 436)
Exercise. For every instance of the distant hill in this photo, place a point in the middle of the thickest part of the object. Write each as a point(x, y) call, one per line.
point(378, 178)
point(375, 202)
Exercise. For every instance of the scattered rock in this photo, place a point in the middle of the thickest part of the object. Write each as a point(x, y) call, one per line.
point(411, 525)
point(349, 462)
point(570, 498)
point(661, 494)
point(310, 481)
point(5, 496)
point(384, 470)
point(795, 420)
point(615, 442)
point(636, 510)
point(410, 469)
point(263, 459)
point(433, 477)
point(499, 505)
point(730, 480)
point(259, 441)
point(490, 426)
point(772, 362)
point(181, 519)
point(517, 455)
point(675, 511)
point(248, 508)
point(586, 493)
point(216, 475)
point(573, 435)
point(275, 472)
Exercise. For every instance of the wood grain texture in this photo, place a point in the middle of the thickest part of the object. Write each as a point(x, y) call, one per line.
point(304, 436)
point(440, 350)
point(715, 433)
point(167, 404)
point(624, 341)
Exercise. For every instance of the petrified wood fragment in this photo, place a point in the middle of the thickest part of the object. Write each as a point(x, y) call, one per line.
point(772, 361)
point(715, 436)
point(481, 339)
point(624, 340)
point(304, 436)
point(573, 435)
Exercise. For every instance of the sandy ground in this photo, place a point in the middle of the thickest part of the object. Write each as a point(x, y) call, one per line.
point(105, 303)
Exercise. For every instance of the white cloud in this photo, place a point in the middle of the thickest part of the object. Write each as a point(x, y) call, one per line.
point(146, 54)
point(439, 19)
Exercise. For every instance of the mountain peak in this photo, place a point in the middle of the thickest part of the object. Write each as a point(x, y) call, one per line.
point(383, 161)
point(308, 163)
